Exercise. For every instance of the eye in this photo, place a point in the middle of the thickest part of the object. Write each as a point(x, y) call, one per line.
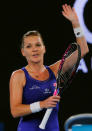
point(28, 46)
point(38, 44)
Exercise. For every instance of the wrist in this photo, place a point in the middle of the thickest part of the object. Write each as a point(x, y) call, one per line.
point(75, 23)
point(42, 104)
point(78, 32)
point(35, 107)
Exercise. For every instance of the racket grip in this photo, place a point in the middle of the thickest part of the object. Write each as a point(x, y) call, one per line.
point(45, 118)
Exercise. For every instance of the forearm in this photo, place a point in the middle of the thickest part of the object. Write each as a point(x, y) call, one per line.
point(81, 40)
point(20, 110)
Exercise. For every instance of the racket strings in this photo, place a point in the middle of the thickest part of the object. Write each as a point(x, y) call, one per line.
point(70, 50)
point(64, 79)
point(67, 76)
point(72, 47)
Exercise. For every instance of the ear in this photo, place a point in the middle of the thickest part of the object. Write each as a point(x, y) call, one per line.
point(22, 51)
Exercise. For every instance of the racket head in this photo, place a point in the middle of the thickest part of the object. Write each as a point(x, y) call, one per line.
point(66, 75)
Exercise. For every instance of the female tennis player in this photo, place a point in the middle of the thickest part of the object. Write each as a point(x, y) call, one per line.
point(32, 87)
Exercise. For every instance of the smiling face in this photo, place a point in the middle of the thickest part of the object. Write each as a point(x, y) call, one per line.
point(33, 49)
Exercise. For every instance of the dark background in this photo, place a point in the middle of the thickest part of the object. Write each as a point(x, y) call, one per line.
point(18, 17)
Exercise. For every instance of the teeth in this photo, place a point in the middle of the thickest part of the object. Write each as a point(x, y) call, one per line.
point(35, 55)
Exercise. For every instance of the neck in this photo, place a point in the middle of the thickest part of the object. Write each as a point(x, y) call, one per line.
point(36, 67)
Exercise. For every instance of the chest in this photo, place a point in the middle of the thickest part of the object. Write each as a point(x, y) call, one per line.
point(40, 76)
point(35, 90)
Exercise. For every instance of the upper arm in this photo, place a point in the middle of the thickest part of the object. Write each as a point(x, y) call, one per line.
point(16, 84)
point(69, 62)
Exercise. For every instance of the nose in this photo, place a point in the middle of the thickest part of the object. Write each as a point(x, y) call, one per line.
point(34, 49)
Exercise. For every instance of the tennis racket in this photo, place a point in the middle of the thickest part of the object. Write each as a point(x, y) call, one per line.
point(71, 57)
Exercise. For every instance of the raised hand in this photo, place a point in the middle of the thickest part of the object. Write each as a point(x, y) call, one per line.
point(70, 13)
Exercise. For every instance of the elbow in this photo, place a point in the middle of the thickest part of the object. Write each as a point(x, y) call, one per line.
point(13, 113)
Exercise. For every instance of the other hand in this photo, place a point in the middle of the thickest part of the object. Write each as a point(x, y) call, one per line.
point(50, 102)
point(69, 13)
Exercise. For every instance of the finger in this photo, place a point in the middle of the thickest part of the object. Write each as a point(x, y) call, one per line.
point(69, 7)
point(64, 14)
point(56, 97)
point(56, 100)
point(74, 10)
point(53, 103)
point(51, 106)
point(64, 8)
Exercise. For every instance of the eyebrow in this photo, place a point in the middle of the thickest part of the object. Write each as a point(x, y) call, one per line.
point(31, 43)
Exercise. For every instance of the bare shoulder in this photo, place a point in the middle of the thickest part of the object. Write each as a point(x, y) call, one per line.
point(18, 76)
point(54, 67)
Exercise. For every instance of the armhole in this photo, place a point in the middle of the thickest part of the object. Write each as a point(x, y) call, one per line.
point(24, 77)
point(51, 71)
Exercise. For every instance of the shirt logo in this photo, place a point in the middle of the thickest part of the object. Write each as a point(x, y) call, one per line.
point(55, 84)
point(34, 87)
point(47, 91)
